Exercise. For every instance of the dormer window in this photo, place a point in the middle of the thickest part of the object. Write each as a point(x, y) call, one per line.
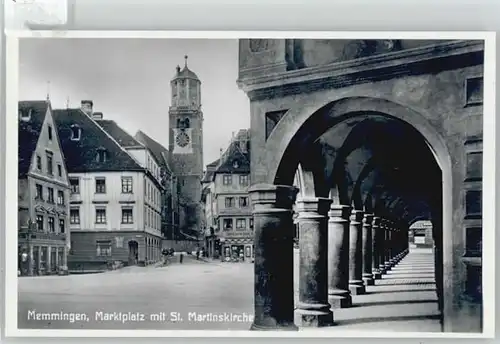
point(25, 116)
point(102, 155)
point(76, 133)
point(236, 164)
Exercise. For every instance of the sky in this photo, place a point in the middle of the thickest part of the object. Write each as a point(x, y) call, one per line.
point(129, 81)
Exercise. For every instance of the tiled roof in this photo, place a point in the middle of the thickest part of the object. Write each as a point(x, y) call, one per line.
point(121, 136)
point(157, 149)
point(80, 156)
point(29, 132)
point(233, 154)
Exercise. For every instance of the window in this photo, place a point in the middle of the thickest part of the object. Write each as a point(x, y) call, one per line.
point(243, 202)
point(25, 115)
point(76, 133)
point(39, 162)
point(52, 226)
point(59, 170)
point(102, 155)
point(39, 222)
point(241, 223)
point(228, 224)
point(103, 248)
point(229, 202)
point(244, 180)
point(75, 185)
point(50, 166)
point(227, 179)
point(50, 132)
point(100, 185)
point(60, 197)
point(250, 222)
point(127, 215)
point(74, 216)
point(39, 192)
point(126, 184)
point(62, 226)
point(100, 215)
point(51, 195)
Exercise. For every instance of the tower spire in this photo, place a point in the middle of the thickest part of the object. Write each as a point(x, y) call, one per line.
point(48, 91)
point(185, 61)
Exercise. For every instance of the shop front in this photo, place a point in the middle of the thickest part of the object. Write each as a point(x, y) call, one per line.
point(38, 255)
point(237, 249)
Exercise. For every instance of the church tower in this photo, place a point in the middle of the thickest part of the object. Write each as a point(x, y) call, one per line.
point(186, 146)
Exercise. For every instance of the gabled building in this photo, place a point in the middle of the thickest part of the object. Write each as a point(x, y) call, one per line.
point(227, 202)
point(170, 196)
point(43, 201)
point(115, 211)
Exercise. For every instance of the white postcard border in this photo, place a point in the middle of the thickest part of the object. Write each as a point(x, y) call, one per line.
point(489, 201)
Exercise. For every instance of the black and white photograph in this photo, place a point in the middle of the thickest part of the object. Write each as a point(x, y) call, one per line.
point(269, 183)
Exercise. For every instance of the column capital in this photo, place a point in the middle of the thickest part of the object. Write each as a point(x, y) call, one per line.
point(376, 221)
point(308, 206)
point(356, 216)
point(339, 212)
point(269, 198)
point(367, 219)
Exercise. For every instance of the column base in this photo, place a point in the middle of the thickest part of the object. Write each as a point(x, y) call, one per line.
point(388, 266)
point(289, 326)
point(376, 274)
point(357, 287)
point(314, 315)
point(368, 279)
point(381, 269)
point(338, 298)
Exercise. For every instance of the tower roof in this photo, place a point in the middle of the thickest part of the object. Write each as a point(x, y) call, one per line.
point(185, 73)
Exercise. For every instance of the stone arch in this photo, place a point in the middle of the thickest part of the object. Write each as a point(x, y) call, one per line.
point(306, 123)
point(303, 124)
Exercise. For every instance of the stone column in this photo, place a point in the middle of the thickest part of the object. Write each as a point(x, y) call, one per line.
point(367, 250)
point(273, 266)
point(388, 246)
point(338, 256)
point(394, 245)
point(313, 307)
point(376, 247)
point(382, 244)
point(356, 285)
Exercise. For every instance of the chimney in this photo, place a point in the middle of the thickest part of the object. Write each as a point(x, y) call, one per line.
point(87, 106)
point(97, 116)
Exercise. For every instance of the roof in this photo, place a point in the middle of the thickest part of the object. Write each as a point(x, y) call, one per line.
point(157, 149)
point(29, 132)
point(235, 153)
point(185, 73)
point(121, 136)
point(80, 156)
point(209, 173)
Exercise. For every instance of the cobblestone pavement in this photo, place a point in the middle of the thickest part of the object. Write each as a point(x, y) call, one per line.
point(202, 296)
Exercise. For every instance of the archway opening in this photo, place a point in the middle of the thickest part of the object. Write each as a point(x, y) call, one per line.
point(133, 252)
point(376, 163)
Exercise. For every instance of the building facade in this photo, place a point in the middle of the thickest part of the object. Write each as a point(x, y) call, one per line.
point(421, 234)
point(170, 196)
point(44, 237)
point(389, 130)
point(186, 148)
point(227, 204)
point(115, 210)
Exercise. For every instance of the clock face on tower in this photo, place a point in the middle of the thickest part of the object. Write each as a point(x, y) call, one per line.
point(182, 139)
